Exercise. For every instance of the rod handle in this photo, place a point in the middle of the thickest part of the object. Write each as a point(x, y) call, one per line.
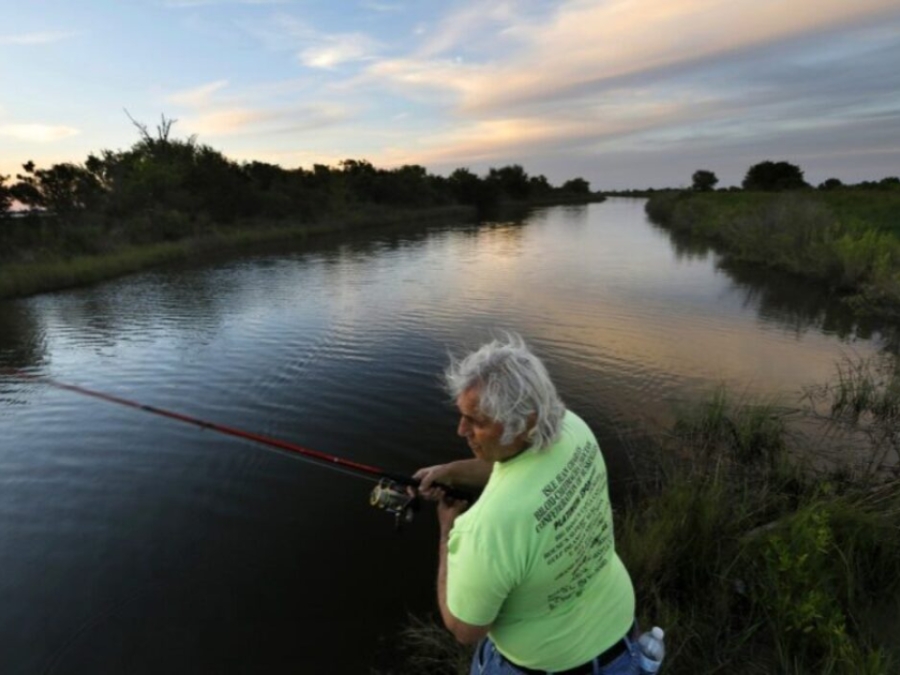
point(452, 492)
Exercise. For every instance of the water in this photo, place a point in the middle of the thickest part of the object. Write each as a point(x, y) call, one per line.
point(132, 543)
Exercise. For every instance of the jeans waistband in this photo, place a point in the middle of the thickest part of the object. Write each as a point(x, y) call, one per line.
point(603, 659)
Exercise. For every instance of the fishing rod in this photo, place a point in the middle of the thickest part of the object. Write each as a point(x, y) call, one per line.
point(390, 494)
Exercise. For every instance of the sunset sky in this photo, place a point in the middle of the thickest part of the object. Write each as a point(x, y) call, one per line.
point(626, 93)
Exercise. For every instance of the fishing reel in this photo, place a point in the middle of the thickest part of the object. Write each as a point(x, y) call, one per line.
point(394, 498)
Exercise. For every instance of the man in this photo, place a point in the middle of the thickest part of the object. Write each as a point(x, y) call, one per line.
point(530, 569)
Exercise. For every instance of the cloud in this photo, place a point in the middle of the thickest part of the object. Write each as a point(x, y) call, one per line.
point(216, 109)
point(39, 38)
point(329, 51)
point(37, 133)
point(464, 25)
point(590, 44)
point(313, 48)
point(250, 121)
point(198, 96)
point(499, 139)
point(224, 122)
point(656, 80)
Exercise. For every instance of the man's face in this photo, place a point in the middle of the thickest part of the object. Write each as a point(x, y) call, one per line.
point(482, 433)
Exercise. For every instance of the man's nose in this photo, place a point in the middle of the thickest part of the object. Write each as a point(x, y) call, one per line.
point(462, 429)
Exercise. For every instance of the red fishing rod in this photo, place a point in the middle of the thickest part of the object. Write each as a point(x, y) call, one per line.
point(390, 494)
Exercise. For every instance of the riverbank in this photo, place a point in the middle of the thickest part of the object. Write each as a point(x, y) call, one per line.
point(755, 554)
point(51, 271)
point(43, 268)
point(847, 240)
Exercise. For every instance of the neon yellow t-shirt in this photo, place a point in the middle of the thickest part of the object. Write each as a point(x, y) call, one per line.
point(535, 556)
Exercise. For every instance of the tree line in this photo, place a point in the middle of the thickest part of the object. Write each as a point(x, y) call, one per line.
point(769, 176)
point(772, 176)
point(166, 188)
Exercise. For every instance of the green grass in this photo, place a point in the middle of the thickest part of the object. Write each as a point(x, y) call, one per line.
point(52, 270)
point(878, 208)
point(759, 560)
point(848, 241)
point(23, 279)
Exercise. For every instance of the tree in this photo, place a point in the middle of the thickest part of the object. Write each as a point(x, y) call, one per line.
point(831, 184)
point(539, 186)
point(512, 180)
point(467, 188)
point(5, 197)
point(578, 186)
point(703, 180)
point(63, 189)
point(407, 185)
point(773, 177)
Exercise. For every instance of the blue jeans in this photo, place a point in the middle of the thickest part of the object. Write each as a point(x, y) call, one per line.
point(488, 661)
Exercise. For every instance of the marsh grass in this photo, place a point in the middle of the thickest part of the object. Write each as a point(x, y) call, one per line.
point(862, 405)
point(757, 562)
point(21, 279)
point(849, 241)
point(55, 267)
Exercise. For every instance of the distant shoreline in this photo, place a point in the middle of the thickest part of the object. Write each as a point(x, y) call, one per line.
point(42, 275)
point(52, 273)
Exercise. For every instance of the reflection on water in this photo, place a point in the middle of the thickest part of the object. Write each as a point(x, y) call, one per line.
point(135, 544)
point(794, 303)
point(802, 307)
point(21, 339)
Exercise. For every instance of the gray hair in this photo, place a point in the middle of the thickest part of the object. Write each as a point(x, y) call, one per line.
point(513, 384)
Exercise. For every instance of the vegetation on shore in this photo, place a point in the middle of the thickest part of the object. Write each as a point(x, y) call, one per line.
point(167, 198)
point(50, 273)
point(847, 240)
point(755, 552)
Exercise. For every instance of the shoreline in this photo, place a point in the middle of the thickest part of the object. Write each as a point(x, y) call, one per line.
point(48, 274)
point(849, 243)
point(25, 279)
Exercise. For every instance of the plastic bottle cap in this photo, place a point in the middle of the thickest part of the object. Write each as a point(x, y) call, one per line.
point(658, 632)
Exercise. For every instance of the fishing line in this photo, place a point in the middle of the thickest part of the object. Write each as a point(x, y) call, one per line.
point(390, 493)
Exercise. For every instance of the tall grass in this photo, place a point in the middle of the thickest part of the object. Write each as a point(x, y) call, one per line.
point(53, 269)
point(862, 406)
point(849, 242)
point(756, 562)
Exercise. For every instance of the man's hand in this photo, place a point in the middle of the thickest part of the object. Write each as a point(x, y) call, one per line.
point(447, 511)
point(465, 474)
point(439, 473)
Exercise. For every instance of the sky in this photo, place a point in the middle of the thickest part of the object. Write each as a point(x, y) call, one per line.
point(624, 93)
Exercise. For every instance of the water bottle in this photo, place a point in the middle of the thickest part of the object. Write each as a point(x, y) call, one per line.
point(652, 650)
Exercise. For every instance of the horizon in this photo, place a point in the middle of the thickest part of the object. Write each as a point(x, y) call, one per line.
point(633, 94)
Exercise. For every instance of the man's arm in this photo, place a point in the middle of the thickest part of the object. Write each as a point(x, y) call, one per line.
point(466, 633)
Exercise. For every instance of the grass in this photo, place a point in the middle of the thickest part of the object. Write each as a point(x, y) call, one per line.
point(49, 271)
point(879, 208)
point(753, 557)
point(849, 241)
point(756, 562)
point(424, 646)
